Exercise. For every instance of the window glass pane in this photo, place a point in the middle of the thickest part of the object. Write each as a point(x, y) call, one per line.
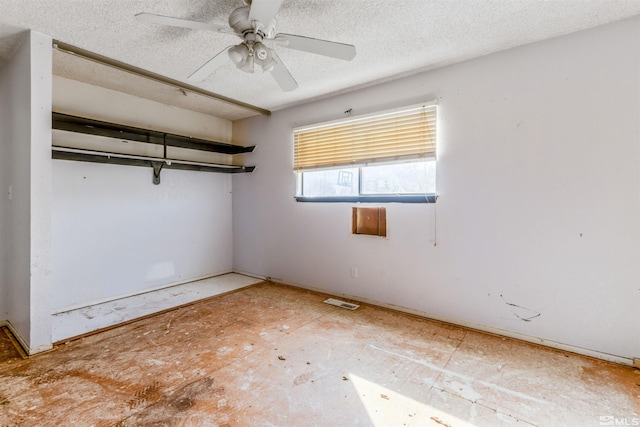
point(400, 178)
point(336, 182)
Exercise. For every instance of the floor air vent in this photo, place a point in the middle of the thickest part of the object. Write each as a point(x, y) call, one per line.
point(342, 304)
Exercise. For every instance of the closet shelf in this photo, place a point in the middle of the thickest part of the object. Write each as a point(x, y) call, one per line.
point(113, 130)
point(63, 153)
point(83, 125)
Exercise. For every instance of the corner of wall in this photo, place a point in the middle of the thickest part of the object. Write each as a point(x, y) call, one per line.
point(26, 161)
point(3, 194)
point(40, 192)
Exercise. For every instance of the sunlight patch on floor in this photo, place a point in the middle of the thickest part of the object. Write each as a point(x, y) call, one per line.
point(386, 407)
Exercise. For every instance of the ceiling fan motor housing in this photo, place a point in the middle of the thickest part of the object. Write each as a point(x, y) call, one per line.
point(239, 21)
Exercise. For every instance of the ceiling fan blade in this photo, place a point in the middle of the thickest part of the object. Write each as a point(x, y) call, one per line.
point(210, 66)
point(177, 22)
point(317, 46)
point(264, 10)
point(282, 76)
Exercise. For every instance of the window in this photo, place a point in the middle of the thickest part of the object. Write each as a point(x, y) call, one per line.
point(385, 157)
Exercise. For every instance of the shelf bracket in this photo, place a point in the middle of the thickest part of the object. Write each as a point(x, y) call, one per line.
point(157, 168)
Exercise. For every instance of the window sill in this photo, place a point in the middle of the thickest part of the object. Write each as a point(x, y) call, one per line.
point(413, 198)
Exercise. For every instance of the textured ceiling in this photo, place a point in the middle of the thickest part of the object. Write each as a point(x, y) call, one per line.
point(392, 39)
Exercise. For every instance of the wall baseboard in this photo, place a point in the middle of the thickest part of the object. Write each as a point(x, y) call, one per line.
point(488, 329)
point(255, 276)
point(21, 345)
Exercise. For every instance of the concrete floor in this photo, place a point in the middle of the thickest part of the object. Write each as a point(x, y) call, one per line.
point(272, 355)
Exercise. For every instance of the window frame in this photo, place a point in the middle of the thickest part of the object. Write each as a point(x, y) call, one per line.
point(368, 198)
point(364, 198)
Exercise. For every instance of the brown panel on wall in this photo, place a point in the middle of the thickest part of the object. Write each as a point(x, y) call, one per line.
point(371, 221)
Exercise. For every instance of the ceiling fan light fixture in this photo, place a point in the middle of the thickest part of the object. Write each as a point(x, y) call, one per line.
point(268, 66)
point(263, 56)
point(246, 65)
point(261, 53)
point(239, 54)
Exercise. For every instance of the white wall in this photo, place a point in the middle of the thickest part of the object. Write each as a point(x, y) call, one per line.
point(17, 140)
point(115, 233)
point(539, 207)
point(27, 215)
point(83, 99)
point(4, 200)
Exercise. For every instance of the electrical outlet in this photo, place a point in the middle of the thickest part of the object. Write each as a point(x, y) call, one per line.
point(354, 272)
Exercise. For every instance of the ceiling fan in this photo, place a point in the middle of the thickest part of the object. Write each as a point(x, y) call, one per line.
point(255, 24)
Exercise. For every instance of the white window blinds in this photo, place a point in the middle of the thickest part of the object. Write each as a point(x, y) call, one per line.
point(406, 134)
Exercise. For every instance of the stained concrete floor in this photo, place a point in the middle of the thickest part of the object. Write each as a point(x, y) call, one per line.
point(272, 355)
